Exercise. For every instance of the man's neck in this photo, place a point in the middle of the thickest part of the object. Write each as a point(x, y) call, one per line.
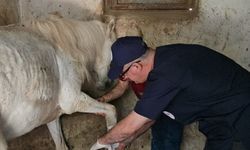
point(150, 58)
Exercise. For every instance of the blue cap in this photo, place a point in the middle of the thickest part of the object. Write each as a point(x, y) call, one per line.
point(125, 50)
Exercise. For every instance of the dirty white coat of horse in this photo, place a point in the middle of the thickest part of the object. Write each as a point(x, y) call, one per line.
point(43, 65)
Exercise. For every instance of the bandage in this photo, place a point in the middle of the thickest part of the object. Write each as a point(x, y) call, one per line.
point(97, 146)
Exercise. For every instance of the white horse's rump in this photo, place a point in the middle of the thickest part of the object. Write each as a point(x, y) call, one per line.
point(42, 69)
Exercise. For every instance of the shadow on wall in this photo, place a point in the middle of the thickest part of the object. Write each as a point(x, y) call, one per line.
point(9, 12)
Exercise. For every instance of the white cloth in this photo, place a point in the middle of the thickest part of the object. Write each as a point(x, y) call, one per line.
point(169, 114)
point(97, 146)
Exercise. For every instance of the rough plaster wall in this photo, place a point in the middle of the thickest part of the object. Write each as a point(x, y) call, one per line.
point(77, 9)
point(9, 12)
point(222, 25)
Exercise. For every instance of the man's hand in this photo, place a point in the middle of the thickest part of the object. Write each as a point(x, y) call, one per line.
point(122, 146)
point(97, 146)
point(101, 99)
point(115, 93)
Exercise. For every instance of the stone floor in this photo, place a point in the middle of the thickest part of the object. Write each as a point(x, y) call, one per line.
point(80, 131)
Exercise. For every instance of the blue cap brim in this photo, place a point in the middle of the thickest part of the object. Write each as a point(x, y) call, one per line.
point(114, 71)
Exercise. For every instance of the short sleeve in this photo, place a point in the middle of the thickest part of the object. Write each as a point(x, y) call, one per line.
point(157, 95)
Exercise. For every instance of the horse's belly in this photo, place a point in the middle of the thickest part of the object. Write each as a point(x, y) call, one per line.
point(25, 117)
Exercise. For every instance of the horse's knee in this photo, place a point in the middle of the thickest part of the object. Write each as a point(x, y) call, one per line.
point(3, 144)
point(111, 116)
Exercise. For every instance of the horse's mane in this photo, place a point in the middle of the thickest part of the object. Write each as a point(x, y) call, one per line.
point(81, 41)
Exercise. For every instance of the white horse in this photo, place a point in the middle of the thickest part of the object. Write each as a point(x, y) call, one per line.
point(43, 67)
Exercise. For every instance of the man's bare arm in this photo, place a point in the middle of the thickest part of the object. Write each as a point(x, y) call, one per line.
point(116, 92)
point(127, 129)
point(143, 129)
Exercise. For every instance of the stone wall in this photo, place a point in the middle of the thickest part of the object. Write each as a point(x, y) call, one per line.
point(9, 12)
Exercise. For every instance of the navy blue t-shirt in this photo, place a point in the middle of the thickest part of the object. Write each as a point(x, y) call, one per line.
point(191, 82)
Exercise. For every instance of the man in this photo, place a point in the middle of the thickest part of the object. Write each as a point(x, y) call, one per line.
point(186, 82)
point(166, 132)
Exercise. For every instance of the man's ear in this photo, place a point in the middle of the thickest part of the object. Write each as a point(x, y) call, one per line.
point(136, 67)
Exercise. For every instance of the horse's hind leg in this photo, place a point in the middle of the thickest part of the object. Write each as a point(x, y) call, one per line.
point(57, 135)
point(3, 144)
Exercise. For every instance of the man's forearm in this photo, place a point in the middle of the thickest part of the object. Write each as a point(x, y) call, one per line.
point(138, 133)
point(117, 134)
point(116, 92)
point(128, 128)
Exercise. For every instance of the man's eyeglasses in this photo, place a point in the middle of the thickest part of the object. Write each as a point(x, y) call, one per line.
point(122, 75)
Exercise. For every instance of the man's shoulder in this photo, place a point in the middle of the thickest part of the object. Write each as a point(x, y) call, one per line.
point(178, 46)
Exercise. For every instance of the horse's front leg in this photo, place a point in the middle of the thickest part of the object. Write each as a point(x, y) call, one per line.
point(89, 105)
point(57, 135)
point(3, 144)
